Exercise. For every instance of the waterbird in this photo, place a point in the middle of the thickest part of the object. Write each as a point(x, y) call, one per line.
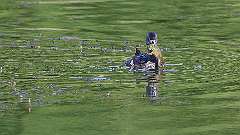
point(152, 56)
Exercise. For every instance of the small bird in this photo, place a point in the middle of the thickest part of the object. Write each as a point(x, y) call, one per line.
point(153, 54)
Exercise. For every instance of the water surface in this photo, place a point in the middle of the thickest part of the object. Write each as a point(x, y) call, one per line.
point(67, 57)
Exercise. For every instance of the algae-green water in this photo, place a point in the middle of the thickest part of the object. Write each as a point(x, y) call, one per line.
point(66, 57)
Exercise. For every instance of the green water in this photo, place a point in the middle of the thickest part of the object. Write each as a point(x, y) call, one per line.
point(67, 56)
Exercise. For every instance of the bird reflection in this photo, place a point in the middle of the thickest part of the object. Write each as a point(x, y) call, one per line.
point(152, 88)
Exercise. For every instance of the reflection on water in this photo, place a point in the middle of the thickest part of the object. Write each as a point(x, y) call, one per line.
point(151, 79)
point(152, 88)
